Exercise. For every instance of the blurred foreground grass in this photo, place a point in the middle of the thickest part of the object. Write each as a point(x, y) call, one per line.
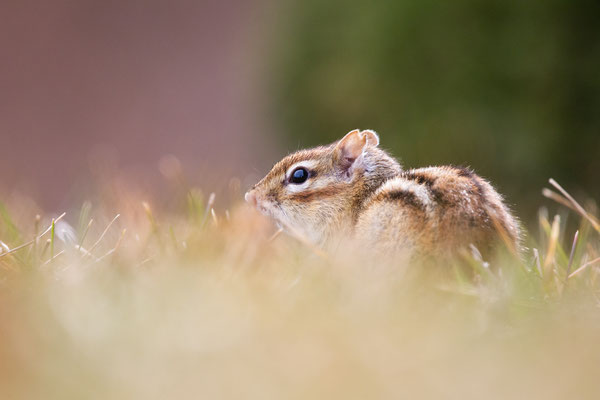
point(205, 304)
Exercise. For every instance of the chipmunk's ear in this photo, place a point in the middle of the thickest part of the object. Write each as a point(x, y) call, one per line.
point(372, 137)
point(349, 150)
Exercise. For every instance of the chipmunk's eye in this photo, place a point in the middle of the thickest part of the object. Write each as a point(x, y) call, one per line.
point(300, 175)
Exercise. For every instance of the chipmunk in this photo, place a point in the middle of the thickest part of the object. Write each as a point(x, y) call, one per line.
point(353, 188)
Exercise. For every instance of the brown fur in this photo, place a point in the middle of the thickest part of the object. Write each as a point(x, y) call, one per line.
point(323, 193)
point(356, 189)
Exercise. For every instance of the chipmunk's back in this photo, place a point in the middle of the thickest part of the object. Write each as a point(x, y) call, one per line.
point(437, 211)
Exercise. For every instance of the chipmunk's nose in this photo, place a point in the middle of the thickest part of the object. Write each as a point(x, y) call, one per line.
point(250, 198)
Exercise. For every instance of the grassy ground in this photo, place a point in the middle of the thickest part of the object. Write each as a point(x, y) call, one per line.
point(206, 304)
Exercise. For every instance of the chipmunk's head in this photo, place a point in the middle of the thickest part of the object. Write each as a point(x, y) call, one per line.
point(316, 191)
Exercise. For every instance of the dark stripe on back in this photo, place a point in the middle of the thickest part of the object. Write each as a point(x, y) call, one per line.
point(429, 181)
point(420, 178)
point(405, 196)
point(464, 172)
point(468, 173)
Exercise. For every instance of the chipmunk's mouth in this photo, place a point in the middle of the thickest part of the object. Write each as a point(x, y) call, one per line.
point(282, 220)
point(266, 207)
point(262, 206)
point(272, 211)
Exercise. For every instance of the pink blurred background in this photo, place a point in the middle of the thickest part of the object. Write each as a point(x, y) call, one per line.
point(123, 83)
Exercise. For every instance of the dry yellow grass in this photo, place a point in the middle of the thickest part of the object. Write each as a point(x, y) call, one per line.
point(210, 305)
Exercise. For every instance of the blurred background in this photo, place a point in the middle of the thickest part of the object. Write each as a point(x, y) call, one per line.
point(94, 90)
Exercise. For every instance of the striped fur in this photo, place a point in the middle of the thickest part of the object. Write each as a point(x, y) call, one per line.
point(356, 189)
